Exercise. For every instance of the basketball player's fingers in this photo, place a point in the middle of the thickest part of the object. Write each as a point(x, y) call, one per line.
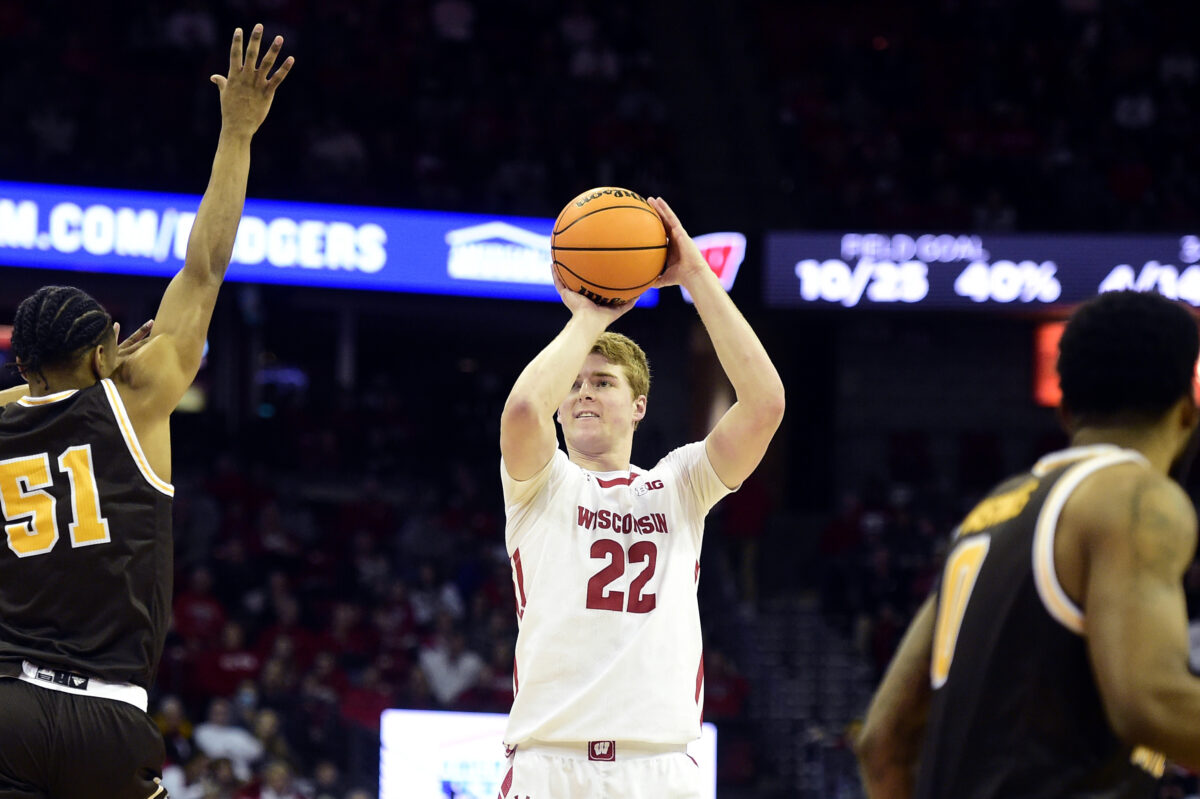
point(668, 216)
point(281, 73)
point(268, 60)
point(139, 335)
point(235, 52)
point(219, 80)
point(252, 48)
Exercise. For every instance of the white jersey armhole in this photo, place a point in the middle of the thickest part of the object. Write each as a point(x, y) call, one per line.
point(1061, 607)
point(131, 439)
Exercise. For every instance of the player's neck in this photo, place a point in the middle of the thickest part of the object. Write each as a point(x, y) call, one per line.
point(609, 461)
point(55, 380)
point(1149, 441)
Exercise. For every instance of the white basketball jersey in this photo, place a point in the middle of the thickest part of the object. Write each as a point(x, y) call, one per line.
point(605, 567)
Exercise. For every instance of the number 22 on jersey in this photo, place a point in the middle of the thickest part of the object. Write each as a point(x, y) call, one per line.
point(958, 581)
point(29, 509)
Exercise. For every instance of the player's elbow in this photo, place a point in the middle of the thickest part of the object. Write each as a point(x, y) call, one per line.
point(767, 408)
point(1144, 717)
point(519, 411)
point(872, 746)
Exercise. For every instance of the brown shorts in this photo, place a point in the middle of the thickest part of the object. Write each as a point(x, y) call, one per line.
point(55, 745)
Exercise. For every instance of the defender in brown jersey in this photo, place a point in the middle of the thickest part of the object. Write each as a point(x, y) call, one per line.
point(85, 495)
point(1052, 661)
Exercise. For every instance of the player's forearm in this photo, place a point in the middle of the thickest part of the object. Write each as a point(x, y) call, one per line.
point(210, 244)
point(742, 355)
point(546, 379)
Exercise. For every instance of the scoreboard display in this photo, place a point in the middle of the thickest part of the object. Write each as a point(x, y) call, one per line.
point(947, 271)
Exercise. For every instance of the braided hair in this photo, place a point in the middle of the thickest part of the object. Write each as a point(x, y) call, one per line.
point(55, 325)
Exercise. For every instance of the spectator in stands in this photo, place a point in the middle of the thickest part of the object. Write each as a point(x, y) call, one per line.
point(269, 732)
point(218, 672)
point(176, 730)
point(275, 782)
point(189, 779)
point(199, 617)
point(327, 781)
point(450, 667)
point(219, 737)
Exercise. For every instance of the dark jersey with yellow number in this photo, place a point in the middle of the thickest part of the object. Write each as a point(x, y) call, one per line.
point(86, 554)
point(1015, 710)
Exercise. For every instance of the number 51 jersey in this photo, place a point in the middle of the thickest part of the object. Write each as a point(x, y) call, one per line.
point(86, 563)
point(605, 567)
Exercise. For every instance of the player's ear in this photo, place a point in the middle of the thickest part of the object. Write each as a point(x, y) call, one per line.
point(1189, 413)
point(1065, 420)
point(639, 408)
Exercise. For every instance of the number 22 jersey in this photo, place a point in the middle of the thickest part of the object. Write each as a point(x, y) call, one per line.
point(605, 567)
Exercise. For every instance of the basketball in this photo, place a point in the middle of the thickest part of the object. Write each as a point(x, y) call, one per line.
point(609, 245)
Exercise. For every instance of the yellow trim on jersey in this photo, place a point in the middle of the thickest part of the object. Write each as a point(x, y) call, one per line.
point(1045, 576)
point(997, 509)
point(47, 399)
point(131, 440)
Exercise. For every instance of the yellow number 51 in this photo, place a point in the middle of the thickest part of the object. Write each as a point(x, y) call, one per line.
point(29, 509)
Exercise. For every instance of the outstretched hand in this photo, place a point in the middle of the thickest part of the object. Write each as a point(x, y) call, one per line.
point(684, 258)
point(248, 89)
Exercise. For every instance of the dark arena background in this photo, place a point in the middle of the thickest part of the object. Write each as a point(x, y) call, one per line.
point(913, 196)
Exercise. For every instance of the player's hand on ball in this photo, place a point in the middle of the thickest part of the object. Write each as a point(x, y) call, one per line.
point(684, 259)
point(579, 304)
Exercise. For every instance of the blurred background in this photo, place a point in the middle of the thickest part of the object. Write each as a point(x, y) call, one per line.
point(339, 526)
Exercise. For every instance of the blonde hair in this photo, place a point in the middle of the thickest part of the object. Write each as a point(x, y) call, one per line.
point(625, 352)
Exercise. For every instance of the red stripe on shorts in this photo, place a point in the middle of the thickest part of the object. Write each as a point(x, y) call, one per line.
point(506, 785)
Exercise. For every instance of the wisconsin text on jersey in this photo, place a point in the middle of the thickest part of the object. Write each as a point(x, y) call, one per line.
point(621, 522)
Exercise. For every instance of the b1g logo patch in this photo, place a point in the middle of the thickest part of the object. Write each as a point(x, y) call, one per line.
point(602, 750)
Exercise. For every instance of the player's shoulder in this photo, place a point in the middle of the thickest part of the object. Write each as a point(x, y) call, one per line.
point(1125, 496)
point(682, 456)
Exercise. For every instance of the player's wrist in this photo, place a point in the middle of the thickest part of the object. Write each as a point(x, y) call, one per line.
point(692, 275)
point(236, 133)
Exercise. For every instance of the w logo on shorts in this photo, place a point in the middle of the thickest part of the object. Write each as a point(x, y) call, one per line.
point(602, 750)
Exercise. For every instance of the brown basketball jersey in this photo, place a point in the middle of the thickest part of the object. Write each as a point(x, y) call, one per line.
point(86, 555)
point(1016, 711)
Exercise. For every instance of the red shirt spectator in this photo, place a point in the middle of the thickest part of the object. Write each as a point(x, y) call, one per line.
point(219, 672)
point(363, 704)
point(199, 617)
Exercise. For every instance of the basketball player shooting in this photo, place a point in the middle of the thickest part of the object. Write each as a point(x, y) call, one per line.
point(1053, 659)
point(85, 469)
point(608, 676)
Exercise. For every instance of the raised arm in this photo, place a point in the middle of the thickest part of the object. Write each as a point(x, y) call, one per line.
point(527, 437)
point(154, 380)
point(739, 440)
point(890, 742)
point(1142, 539)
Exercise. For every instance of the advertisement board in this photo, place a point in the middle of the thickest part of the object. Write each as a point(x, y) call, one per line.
point(305, 244)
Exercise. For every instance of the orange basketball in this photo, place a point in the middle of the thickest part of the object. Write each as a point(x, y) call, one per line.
point(609, 245)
